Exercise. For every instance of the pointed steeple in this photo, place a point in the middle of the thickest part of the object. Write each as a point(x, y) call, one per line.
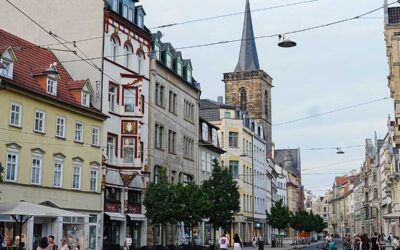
point(248, 58)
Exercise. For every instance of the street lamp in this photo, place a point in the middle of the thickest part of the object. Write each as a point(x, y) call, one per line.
point(339, 151)
point(286, 42)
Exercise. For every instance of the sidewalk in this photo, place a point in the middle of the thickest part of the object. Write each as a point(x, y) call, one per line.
point(286, 246)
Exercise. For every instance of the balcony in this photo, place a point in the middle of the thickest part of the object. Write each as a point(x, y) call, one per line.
point(112, 206)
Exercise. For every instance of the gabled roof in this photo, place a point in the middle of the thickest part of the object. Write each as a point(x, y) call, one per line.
point(248, 58)
point(340, 180)
point(31, 60)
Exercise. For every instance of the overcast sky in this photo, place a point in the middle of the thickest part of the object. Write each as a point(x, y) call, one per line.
point(331, 67)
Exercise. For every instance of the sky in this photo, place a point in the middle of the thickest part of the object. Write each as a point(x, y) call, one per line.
point(330, 68)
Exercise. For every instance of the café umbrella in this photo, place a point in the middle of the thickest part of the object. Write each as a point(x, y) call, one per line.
point(22, 211)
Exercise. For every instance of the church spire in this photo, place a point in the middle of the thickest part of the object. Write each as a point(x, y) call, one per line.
point(248, 58)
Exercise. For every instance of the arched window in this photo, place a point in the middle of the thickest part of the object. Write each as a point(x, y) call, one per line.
point(243, 99)
point(128, 55)
point(375, 193)
point(140, 58)
point(266, 104)
point(114, 48)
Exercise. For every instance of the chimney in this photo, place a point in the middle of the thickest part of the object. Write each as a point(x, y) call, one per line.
point(220, 99)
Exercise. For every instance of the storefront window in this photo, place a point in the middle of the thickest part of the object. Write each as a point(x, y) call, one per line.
point(92, 231)
point(74, 235)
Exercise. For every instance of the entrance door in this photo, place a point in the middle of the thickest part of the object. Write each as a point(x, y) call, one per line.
point(134, 232)
point(37, 235)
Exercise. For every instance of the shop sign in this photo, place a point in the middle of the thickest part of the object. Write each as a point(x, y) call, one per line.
point(134, 208)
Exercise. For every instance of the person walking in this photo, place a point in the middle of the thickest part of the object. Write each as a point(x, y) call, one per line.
point(223, 242)
point(43, 244)
point(374, 242)
point(357, 242)
point(63, 245)
point(52, 245)
point(237, 243)
point(365, 243)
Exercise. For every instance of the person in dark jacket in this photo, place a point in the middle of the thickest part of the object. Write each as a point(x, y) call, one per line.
point(374, 242)
point(365, 243)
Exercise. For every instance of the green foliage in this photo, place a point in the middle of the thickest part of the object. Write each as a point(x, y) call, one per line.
point(309, 222)
point(279, 217)
point(223, 194)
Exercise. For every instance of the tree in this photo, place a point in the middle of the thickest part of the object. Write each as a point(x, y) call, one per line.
point(279, 216)
point(224, 196)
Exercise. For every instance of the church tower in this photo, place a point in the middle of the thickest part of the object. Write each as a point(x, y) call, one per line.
point(249, 87)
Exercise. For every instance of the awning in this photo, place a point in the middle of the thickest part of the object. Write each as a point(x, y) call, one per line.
point(137, 217)
point(394, 215)
point(116, 216)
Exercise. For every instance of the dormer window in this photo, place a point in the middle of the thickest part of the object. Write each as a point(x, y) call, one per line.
point(6, 68)
point(140, 20)
point(85, 99)
point(189, 75)
point(130, 15)
point(115, 4)
point(179, 67)
point(158, 51)
point(169, 60)
point(51, 86)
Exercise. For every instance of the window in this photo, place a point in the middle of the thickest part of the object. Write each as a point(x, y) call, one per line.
point(158, 136)
point(128, 56)
point(57, 174)
point(7, 71)
point(114, 49)
point(140, 21)
point(227, 114)
point(140, 63)
point(36, 168)
point(234, 168)
point(78, 132)
point(266, 105)
point(39, 121)
point(188, 111)
point(188, 144)
point(85, 99)
point(15, 114)
point(374, 177)
point(205, 131)
point(159, 94)
point(189, 75)
point(96, 136)
point(171, 141)
point(172, 102)
point(93, 179)
point(115, 5)
point(51, 87)
point(179, 67)
point(112, 98)
point(375, 193)
point(203, 161)
point(130, 15)
point(60, 126)
point(233, 139)
point(243, 99)
point(157, 49)
point(169, 60)
point(128, 149)
point(129, 100)
point(12, 164)
point(208, 162)
point(76, 175)
point(214, 137)
point(125, 11)
point(111, 147)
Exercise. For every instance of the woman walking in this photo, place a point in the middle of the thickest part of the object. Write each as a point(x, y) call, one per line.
point(237, 243)
point(374, 242)
point(365, 242)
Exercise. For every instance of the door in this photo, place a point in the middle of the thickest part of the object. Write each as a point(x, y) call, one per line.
point(37, 235)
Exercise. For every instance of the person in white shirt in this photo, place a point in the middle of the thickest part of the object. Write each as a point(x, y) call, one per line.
point(223, 242)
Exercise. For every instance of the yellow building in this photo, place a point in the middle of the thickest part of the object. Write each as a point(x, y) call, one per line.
point(50, 145)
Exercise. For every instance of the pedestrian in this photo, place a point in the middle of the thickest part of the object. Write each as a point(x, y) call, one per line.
point(43, 244)
point(390, 238)
point(357, 242)
point(347, 242)
point(254, 241)
point(365, 243)
point(396, 243)
point(237, 243)
point(52, 245)
point(375, 242)
point(259, 240)
point(1, 238)
point(63, 245)
point(223, 242)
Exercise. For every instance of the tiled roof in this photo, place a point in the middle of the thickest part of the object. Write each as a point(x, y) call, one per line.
point(76, 84)
point(31, 61)
point(340, 180)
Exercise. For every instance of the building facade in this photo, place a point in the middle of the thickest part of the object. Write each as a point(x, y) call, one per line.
point(51, 145)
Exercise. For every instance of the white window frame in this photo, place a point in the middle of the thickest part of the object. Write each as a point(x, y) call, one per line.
point(114, 49)
point(111, 148)
point(13, 152)
point(128, 56)
point(7, 72)
point(85, 98)
point(204, 131)
point(60, 125)
point(94, 170)
point(189, 75)
point(169, 60)
point(125, 11)
point(130, 15)
point(112, 96)
point(19, 114)
point(203, 161)
point(51, 86)
point(39, 121)
point(214, 137)
point(58, 161)
point(130, 96)
point(34, 168)
point(208, 163)
point(140, 63)
point(80, 139)
point(179, 67)
point(115, 5)
point(140, 20)
point(76, 165)
point(95, 136)
point(157, 48)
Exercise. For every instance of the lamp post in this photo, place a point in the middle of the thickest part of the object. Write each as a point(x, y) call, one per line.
point(286, 42)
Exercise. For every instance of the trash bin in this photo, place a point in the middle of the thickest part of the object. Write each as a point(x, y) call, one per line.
point(273, 243)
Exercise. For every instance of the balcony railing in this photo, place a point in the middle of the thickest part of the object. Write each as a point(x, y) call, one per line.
point(112, 206)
